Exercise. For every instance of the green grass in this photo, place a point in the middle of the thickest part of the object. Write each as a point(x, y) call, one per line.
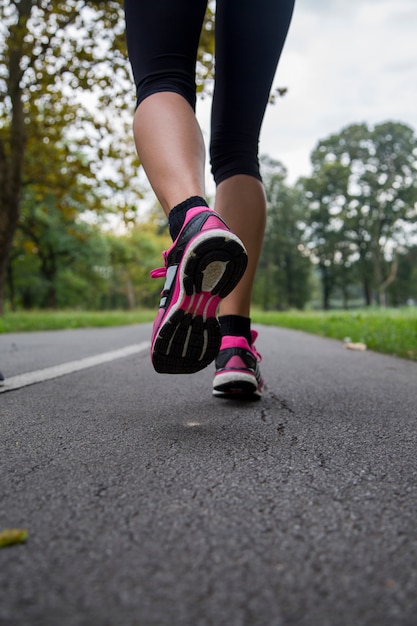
point(58, 320)
point(391, 331)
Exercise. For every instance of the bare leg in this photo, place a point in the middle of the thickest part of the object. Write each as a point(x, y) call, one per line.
point(240, 200)
point(171, 148)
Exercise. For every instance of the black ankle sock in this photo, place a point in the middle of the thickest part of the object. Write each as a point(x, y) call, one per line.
point(177, 215)
point(235, 325)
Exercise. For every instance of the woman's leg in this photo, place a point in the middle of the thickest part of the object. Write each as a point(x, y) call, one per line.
point(162, 38)
point(171, 148)
point(250, 35)
point(206, 260)
point(240, 200)
point(249, 39)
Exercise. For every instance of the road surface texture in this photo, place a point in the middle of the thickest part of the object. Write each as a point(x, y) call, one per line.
point(150, 503)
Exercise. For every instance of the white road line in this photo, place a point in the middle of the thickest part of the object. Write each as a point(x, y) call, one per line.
point(38, 376)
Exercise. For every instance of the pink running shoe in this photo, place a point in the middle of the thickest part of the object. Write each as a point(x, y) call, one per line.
point(237, 369)
point(202, 266)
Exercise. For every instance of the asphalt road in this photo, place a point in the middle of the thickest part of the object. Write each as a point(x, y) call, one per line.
point(150, 503)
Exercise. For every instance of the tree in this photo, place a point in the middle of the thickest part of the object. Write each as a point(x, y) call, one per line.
point(132, 257)
point(51, 53)
point(59, 240)
point(56, 261)
point(58, 187)
point(404, 289)
point(47, 51)
point(379, 199)
point(326, 239)
point(283, 276)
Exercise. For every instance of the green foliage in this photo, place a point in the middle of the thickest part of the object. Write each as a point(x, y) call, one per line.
point(362, 201)
point(52, 232)
point(67, 160)
point(54, 261)
point(51, 53)
point(205, 55)
point(132, 257)
point(282, 279)
point(404, 288)
point(56, 265)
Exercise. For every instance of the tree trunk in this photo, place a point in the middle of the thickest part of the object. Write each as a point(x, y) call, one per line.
point(10, 284)
point(387, 282)
point(266, 296)
point(9, 215)
point(49, 273)
point(345, 296)
point(367, 291)
point(326, 284)
point(289, 281)
point(130, 294)
point(51, 297)
point(11, 159)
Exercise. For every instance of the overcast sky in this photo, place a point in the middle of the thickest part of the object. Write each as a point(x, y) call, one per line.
point(344, 62)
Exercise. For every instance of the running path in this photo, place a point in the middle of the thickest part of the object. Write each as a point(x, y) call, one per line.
point(148, 502)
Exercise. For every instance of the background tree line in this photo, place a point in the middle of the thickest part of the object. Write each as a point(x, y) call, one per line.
point(349, 230)
point(345, 235)
point(66, 104)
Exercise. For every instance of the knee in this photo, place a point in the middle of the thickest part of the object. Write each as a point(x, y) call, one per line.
point(234, 154)
point(175, 82)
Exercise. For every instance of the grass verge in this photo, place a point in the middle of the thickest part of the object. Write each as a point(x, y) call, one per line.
point(391, 331)
point(59, 320)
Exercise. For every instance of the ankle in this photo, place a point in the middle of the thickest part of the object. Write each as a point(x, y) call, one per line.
point(177, 215)
point(236, 326)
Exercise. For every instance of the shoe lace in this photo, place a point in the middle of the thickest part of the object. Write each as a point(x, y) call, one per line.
point(160, 272)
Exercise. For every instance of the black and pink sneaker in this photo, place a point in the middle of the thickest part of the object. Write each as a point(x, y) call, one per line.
point(237, 369)
point(202, 266)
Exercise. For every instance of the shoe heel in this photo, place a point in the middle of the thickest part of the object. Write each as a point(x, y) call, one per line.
point(214, 263)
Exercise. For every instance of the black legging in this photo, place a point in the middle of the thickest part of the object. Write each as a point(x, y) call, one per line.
point(162, 39)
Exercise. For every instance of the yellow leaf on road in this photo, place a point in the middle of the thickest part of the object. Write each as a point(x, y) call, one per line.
point(10, 536)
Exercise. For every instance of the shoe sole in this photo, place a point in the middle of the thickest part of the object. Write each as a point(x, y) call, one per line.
point(236, 385)
point(188, 338)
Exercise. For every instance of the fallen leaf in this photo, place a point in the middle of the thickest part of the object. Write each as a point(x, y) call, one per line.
point(10, 536)
point(355, 346)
